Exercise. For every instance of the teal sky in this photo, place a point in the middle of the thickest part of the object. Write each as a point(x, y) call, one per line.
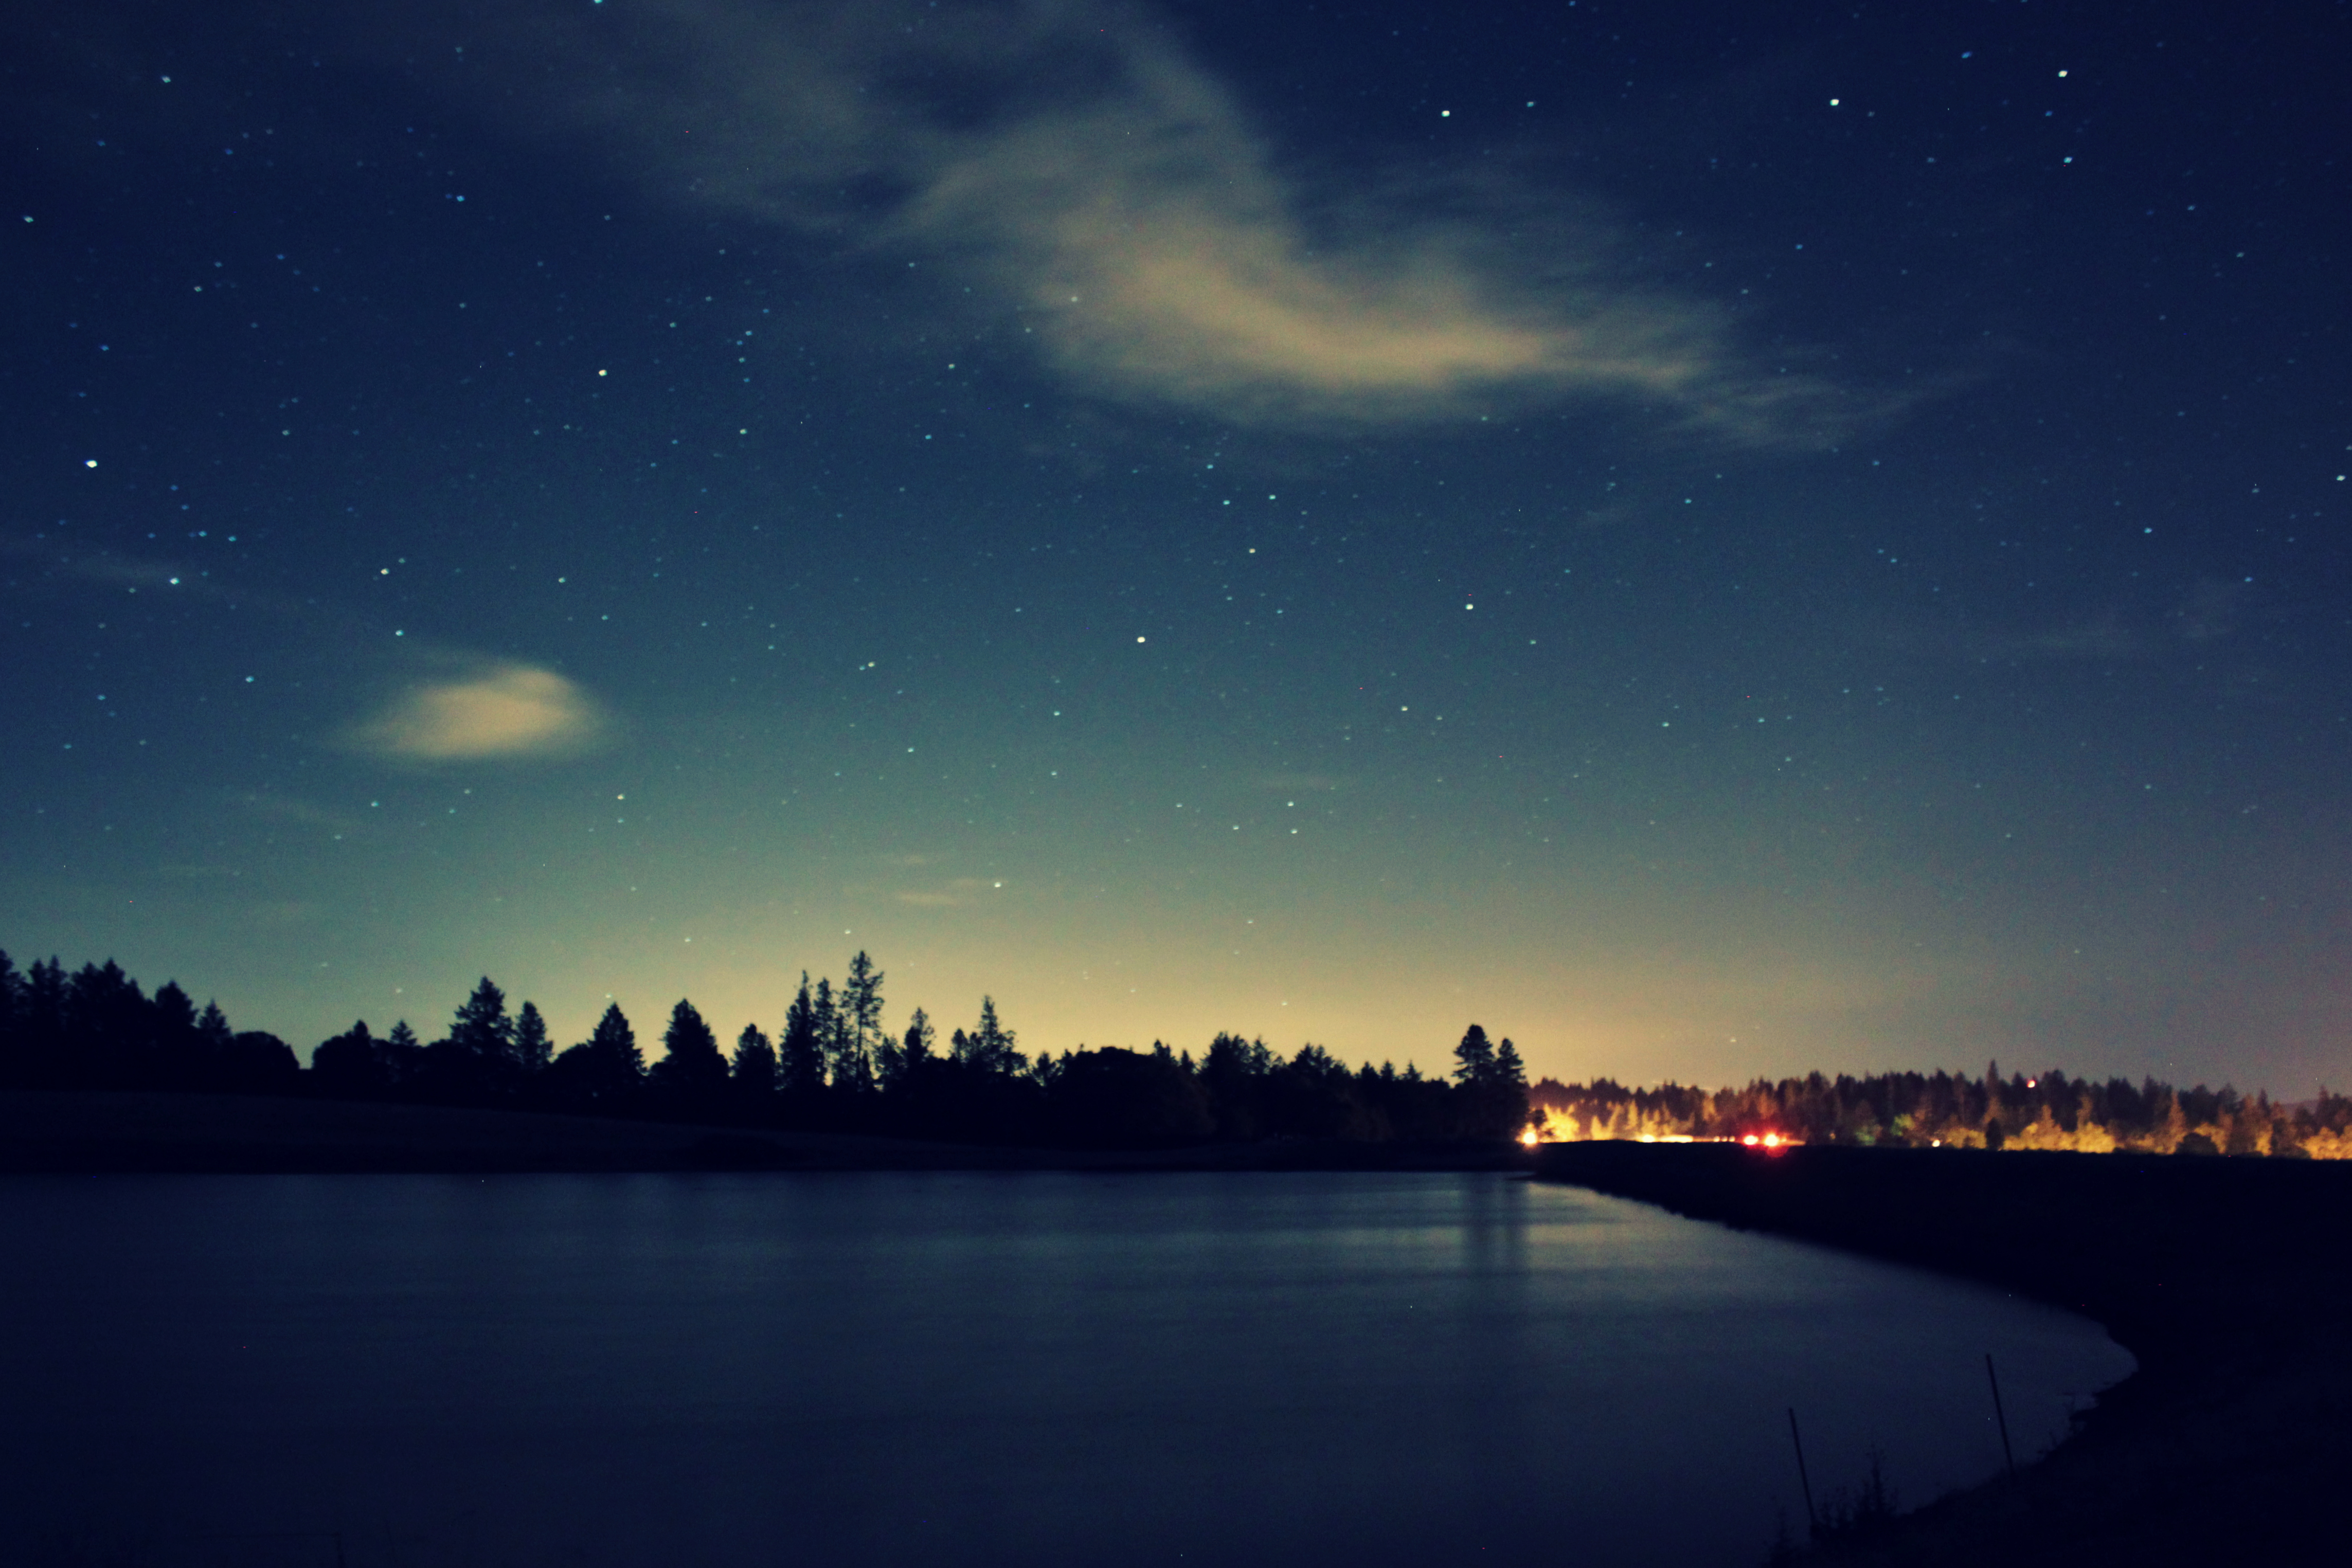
point(1711, 543)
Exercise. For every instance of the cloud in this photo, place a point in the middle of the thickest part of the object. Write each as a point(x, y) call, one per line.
point(953, 894)
point(2210, 612)
point(1070, 162)
point(504, 711)
point(2103, 638)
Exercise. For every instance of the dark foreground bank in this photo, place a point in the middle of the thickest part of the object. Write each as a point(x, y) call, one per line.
point(2229, 1280)
point(58, 1131)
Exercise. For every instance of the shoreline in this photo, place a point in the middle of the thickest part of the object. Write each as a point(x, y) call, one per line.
point(99, 1131)
point(2229, 1281)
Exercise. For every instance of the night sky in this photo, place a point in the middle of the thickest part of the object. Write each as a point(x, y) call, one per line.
point(1710, 539)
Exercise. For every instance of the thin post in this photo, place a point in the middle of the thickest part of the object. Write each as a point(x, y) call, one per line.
point(1992, 1377)
point(1812, 1521)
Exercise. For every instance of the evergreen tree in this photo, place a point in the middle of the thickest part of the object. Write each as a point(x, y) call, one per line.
point(1509, 1071)
point(800, 1055)
point(915, 1054)
point(846, 1067)
point(108, 1028)
point(616, 1067)
point(533, 1049)
point(12, 1018)
point(1473, 1059)
point(178, 1062)
point(755, 1063)
point(482, 1030)
point(692, 1061)
point(988, 1049)
point(861, 1017)
point(213, 1045)
point(1509, 1089)
point(176, 1011)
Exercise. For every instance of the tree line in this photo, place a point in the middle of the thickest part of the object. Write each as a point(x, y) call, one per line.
point(2046, 1110)
point(829, 1065)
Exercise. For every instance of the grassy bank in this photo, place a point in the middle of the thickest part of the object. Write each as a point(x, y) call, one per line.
point(2230, 1280)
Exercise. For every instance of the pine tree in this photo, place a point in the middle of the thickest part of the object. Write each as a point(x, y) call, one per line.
point(618, 1067)
point(843, 1065)
point(1473, 1059)
point(800, 1055)
point(533, 1049)
point(918, 1050)
point(12, 1020)
point(861, 1009)
point(755, 1062)
point(988, 1049)
point(178, 1063)
point(848, 1061)
point(482, 1030)
point(692, 1061)
point(1510, 1090)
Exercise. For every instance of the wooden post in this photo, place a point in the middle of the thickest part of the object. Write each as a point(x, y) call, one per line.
point(2006, 1454)
point(1812, 1521)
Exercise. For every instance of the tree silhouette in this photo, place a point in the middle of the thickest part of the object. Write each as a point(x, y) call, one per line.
point(988, 1049)
point(603, 1070)
point(860, 1025)
point(403, 1056)
point(259, 1062)
point(800, 1055)
point(349, 1065)
point(532, 1049)
point(904, 1067)
point(1473, 1059)
point(482, 1030)
point(11, 1006)
point(692, 1063)
point(755, 1064)
point(846, 1069)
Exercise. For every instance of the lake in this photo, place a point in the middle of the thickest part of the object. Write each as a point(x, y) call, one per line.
point(963, 1369)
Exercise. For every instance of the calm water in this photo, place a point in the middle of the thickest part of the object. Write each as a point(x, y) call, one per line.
point(962, 1369)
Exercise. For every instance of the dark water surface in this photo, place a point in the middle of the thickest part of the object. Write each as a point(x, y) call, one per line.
point(962, 1369)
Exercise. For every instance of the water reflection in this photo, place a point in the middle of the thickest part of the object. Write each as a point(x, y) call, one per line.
point(963, 1369)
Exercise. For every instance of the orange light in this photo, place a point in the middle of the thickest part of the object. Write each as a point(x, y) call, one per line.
point(1751, 1140)
point(1771, 1140)
point(1531, 1138)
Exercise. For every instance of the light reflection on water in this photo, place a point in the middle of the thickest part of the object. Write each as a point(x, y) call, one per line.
point(954, 1369)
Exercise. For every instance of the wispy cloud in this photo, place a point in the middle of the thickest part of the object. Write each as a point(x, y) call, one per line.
point(504, 711)
point(1070, 160)
point(952, 895)
point(2210, 610)
point(2098, 639)
point(490, 709)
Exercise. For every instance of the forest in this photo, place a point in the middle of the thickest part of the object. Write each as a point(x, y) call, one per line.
point(830, 1066)
point(1944, 1110)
